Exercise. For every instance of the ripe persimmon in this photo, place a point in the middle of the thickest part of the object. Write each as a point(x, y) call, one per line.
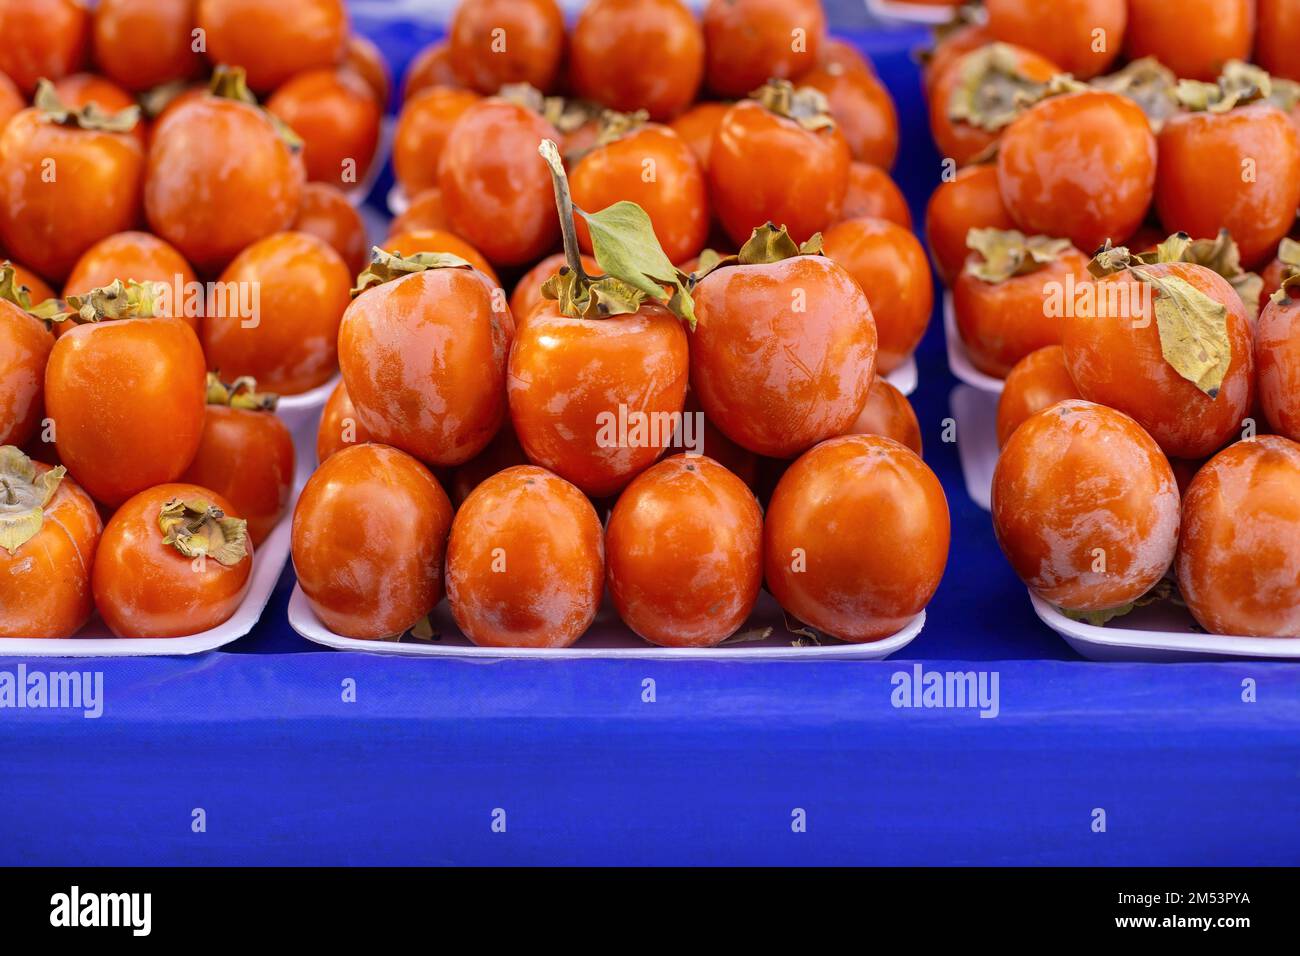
point(339, 427)
point(1277, 352)
point(326, 214)
point(364, 57)
point(44, 39)
point(143, 44)
point(416, 241)
point(425, 211)
point(492, 43)
point(863, 110)
point(78, 90)
point(1037, 381)
point(1082, 36)
point(1197, 41)
point(141, 257)
point(25, 344)
point(749, 42)
point(873, 194)
point(421, 132)
point(1278, 32)
point(431, 67)
point(970, 200)
point(335, 113)
point(696, 127)
point(889, 414)
point(502, 452)
point(274, 41)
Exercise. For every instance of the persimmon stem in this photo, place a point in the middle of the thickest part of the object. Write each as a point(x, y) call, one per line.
point(550, 152)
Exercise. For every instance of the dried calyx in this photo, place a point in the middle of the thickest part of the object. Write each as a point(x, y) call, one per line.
point(390, 266)
point(1148, 83)
point(88, 117)
point(624, 245)
point(766, 244)
point(1193, 327)
point(154, 101)
point(806, 106)
point(992, 91)
point(120, 300)
point(25, 490)
point(11, 290)
point(565, 114)
point(1004, 253)
point(1238, 85)
point(199, 529)
point(1220, 255)
point(242, 393)
point(231, 83)
point(614, 125)
point(1288, 253)
point(1165, 590)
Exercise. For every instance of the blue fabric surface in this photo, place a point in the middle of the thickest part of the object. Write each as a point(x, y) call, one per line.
point(260, 738)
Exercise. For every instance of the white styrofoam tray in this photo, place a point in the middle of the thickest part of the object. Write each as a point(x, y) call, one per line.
point(911, 12)
point(976, 415)
point(959, 361)
point(904, 378)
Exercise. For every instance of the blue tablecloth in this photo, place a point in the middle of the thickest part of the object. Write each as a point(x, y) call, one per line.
point(258, 753)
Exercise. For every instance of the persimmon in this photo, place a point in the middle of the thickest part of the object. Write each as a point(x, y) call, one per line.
point(1168, 342)
point(696, 128)
point(431, 67)
point(336, 115)
point(598, 372)
point(1009, 299)
point(1240, 546)
point(495, 195)
point(525, 561)
point(684, 553)
point(25, 344)
point(286, 337)
point(741, 462)
point(637, 54)
point(970, 200)
point(412, 242)
point(492, 43)
point(44, 39)
point(1085, 507)
point(889, 414)
point(274, 41)
point(953, 42)
point(749, 42)
point(1037, 381)
point(841, 53)
point(527, 295)
point(1082, 36)
point(1277, 350)
point(325, 213)
point(863, 110)
point(976, 96)
point(339, 427)
point(48, 223)
point(12, 101)
point(1220, 30)
point(868, 584)
point(246, 454)
point(423, 352)
point(1276, 37)
point(1080, 165)
point(126, 391)
point(174, 560)
point(1230, 167)
point(142, 44)
point(213, 203)
point(778, 158)
point(784, 347)
point(38, 290)
point(1285, 264)
point(502, 452)
point(141, 257)
point(425, 211)
point(873, 194)
point(421, 133)
point(890, 265)
point(364, 57)
point(49, 529)
point(674, 194)
point(78, 90)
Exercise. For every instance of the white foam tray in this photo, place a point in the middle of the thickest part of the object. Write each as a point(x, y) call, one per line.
point(910, 12)
point(904, 378)
point(1163, 632)
point(976, 415)
point(963, 369)
point(302, 412)
point(608, 639)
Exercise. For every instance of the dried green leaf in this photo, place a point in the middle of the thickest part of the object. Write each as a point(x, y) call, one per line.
point(1163, 591)
point(24, 493)
point(624, 244)
point(1007, 253)
point(388, 266)
point(1193, 330)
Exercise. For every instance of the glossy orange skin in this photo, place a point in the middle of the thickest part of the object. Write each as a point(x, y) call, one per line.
point(567, 375)
point(872, 193)
point(439, 240)
point(1221, 30)
point(1000, 323)
point(1116, 360)
point(247, 458)
point(867, 523)
point(533, 40)
point(142, 44)
point(43, 38)
point(970, 200)
point(339, 426)
point(421, 133)
point(750, 41)
point(765, 168)
point(890, 265)
point(842, 53)
point(326, 214)
point(127, 398)
point(369, 536)
point(424, 359)
point(48, 225)
point(684, 553)
point(1239, 554)
point(45, 584)
point(431, 67)
point(496, 190)
point(1077, 479)
point(144, 588)
point(775, 380)
point(1081, 166)
point(504, 451)
point(677, 200)
point(1277, 36)
point(696, 127)
point(741, 462)
point(951, 48)
point(1038, 381)
point(1063, 30)
point(337, 116)
point(25, 345)
point(962, 142)
point(546, 536)
point(863, 109)
point(1277, 351)
point(274, 41)
point(141, 257)
point(290, 347)
point(528, 290)
point(1200, 189)
point(889, 414)
point(424, 212)
point(365, 58)
point(11, 100)
point(637, 54)
point(213, 203)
